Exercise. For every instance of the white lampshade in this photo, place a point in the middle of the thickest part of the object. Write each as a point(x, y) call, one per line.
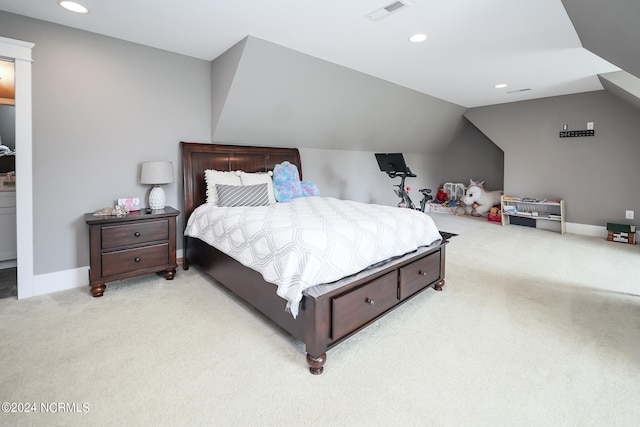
point(156, 173)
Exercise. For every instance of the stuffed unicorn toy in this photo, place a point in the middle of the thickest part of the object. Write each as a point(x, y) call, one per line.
point(479, 201)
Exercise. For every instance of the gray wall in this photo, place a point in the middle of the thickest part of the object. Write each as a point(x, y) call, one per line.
point(223, 70)
point(471, 155)
point(354, 175)
point(266, 94)
point(283, 97)
point(597, 176)
point(101, 106)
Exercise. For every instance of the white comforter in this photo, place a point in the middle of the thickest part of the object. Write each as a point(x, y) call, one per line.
point(311, 240)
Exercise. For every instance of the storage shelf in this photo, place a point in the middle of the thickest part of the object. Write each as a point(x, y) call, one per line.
point(544, 217)
point(532, 201)
point(543, 208)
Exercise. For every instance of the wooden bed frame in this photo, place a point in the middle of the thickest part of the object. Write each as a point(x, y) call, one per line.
point(326, 318)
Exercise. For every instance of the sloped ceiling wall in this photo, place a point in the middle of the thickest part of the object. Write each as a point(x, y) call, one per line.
point(223, 71)
point(277, 96)
point(624, 85)
point(610, 30)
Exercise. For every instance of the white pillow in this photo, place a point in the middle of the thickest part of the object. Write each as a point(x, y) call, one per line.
point(213, 177)
point(259, 178)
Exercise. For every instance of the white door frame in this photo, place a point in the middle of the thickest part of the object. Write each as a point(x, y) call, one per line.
point(20, 53)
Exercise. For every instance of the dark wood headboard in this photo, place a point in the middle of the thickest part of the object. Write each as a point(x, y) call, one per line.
point(196, 157)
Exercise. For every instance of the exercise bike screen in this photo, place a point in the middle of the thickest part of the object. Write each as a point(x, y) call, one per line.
point(391, 162)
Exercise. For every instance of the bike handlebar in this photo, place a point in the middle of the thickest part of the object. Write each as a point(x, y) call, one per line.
point(407, 174)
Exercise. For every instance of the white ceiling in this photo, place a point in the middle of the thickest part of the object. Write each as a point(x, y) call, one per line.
point(472, 44)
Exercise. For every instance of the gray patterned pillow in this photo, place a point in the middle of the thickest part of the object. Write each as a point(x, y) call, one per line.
point(242, 195)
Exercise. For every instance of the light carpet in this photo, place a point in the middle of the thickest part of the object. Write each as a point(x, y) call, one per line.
point(532, 329)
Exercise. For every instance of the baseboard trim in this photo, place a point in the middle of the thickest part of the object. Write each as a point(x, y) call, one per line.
point(589, 230)
point(68, 279)
point(60, 281)
point(8, 264)
point(586, 229)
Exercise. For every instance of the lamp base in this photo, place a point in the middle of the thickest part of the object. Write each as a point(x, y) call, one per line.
point(157, 198)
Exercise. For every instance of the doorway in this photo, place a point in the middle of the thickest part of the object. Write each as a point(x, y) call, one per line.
point(8, 270)
point(19, 52)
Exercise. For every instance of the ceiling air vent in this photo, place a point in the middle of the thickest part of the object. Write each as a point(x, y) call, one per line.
point(387, 10)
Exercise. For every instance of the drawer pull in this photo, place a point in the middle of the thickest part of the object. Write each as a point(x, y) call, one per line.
point(369, 301)
point(422, 273)
point(137, 234)
point(137, 259)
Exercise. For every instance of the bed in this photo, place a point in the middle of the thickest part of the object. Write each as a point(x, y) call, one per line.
point(328, 313)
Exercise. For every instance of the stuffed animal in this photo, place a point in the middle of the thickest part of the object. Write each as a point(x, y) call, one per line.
point(479, 201)
point(117, 210)
point(441, 196)
point(495, 215)
point(287, 184)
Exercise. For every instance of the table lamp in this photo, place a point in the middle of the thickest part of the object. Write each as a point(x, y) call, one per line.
point(156, 173)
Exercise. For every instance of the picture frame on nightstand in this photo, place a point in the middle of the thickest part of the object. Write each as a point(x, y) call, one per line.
point(131, 204)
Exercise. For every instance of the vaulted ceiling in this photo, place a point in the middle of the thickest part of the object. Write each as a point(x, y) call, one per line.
point(538, 48)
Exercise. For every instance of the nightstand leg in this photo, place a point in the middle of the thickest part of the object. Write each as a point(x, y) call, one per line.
point(97, 289)
point(438, 286)
point(169, 275)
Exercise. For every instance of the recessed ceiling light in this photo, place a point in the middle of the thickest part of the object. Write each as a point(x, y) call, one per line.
point(418, 38)
point(73, 6)
point(500, 86)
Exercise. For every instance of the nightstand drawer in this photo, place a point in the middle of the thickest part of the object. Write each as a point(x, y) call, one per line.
point(129, 260)
point(114, 236)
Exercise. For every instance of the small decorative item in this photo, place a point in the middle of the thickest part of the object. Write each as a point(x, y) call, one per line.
point(9, 180)
point(117, 210)
point(441, 196)
point(495, 215)
point(131, 204)
point(156, 173)
point(510, 209)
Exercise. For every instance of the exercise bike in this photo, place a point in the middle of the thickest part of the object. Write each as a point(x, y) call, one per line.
point(393, 164)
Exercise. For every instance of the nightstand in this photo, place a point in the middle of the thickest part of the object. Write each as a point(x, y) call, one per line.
point(131, 245)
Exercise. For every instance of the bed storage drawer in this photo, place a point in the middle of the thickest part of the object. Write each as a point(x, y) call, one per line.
point(114, 236)
point(419, 274)
point(358, 307)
